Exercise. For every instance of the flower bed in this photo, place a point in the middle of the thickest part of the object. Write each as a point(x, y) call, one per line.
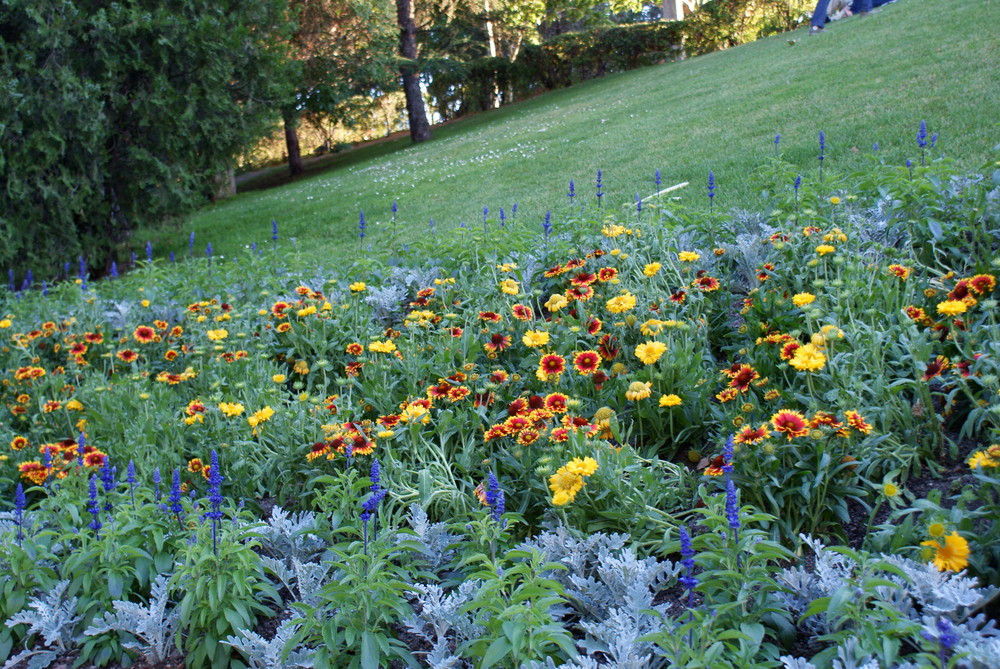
point(606, 438)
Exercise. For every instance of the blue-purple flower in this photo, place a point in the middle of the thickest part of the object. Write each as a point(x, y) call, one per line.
point(19, 505)
point(131, 481)
point(94, 507)
point(362, 225)
point(495, 498)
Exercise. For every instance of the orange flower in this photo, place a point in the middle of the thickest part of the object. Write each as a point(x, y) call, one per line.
point(606, 274)
point(586, 362)
point(498, 342)
point(983, 283)
point(855, 420)
point(935, 368)
point(522, 312)
point(742, 378)
point(556, 402)
point(144, 334)
point(552, 364)
point(127, 355)
point(791, 423)
point(355, 349)
point(34, 471)
point(705, 284)
point(748, 435)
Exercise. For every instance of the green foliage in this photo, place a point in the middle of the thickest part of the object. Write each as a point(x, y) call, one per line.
point(117, 117)
point(223, 591)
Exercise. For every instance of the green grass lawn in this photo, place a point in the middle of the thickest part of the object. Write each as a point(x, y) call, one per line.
point(866, 79)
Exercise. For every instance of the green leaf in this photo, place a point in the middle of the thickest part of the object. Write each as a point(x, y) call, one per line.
point(369, 651)
point(500, 647)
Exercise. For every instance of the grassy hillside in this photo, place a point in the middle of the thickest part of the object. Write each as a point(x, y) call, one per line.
point(866, 79)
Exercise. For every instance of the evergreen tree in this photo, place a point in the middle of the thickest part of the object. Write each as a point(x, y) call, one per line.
point(118, 115)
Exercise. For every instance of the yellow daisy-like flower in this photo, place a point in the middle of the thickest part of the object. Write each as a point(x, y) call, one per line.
point(217, 335)
point(358, 286)
point(823, 249)
point(808, 358)
point(936, 530)
point(952, 555)
point(556, 302)
point(308, 311)
point(981, 460)
point(890, 490)
point(952, 307)
point(638, 390)
point(802, 299)
point(834, 200)
point(562, 498)
point(566, 481)
point(231, 409)
point(535, 338)
point(301, 367)
point(5, 323)
point(650, 351)
point(670, 400)
point(73, 405)
point(382, 347)
point(259, 417)
point(278, 378)
point(690, 256)
point(621, 303)
point(582, 466)
point(651, 269)
point(510, 287)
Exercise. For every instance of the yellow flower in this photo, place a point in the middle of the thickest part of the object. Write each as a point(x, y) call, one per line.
point(382, 347)
point(651, 269)
point(260, 417)
point(556, 302)
point(890, 490)
point(301, 367)
point(145, 303)
point(650, 351)
point(952, 555)
point(73, 405)
point(823, 249)
point(802, 299)
point(808, 358)
point(936, 530)
point(834, 200)
point(670, 400)
point(638, 390)
point(308, 311)
point(535, 338)
point(217, 335)
point(564, 485)
point(5, 323)
point(562, 498)
point(622, 303)
point(231, 409)
point(690, 256)
point(357, 286)
point(981, 460)
point(952, 307)
point(582, 466)
point(278, 378)
point(510, 287)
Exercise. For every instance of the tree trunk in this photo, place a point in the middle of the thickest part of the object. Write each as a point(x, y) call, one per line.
point(295, 166)
point(420, 129)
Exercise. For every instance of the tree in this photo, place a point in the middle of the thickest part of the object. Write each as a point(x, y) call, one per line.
point(344, 52)
point(420, 129)
point(119, 115)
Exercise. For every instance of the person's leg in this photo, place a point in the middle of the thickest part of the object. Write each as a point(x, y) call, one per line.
point(862, 6)
point(819, 14)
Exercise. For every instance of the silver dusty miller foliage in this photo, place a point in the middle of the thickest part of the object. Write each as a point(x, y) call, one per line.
point(51, 616)
point(147, 629)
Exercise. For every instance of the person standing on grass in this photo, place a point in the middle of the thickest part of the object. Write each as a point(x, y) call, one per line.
point(819, 16)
